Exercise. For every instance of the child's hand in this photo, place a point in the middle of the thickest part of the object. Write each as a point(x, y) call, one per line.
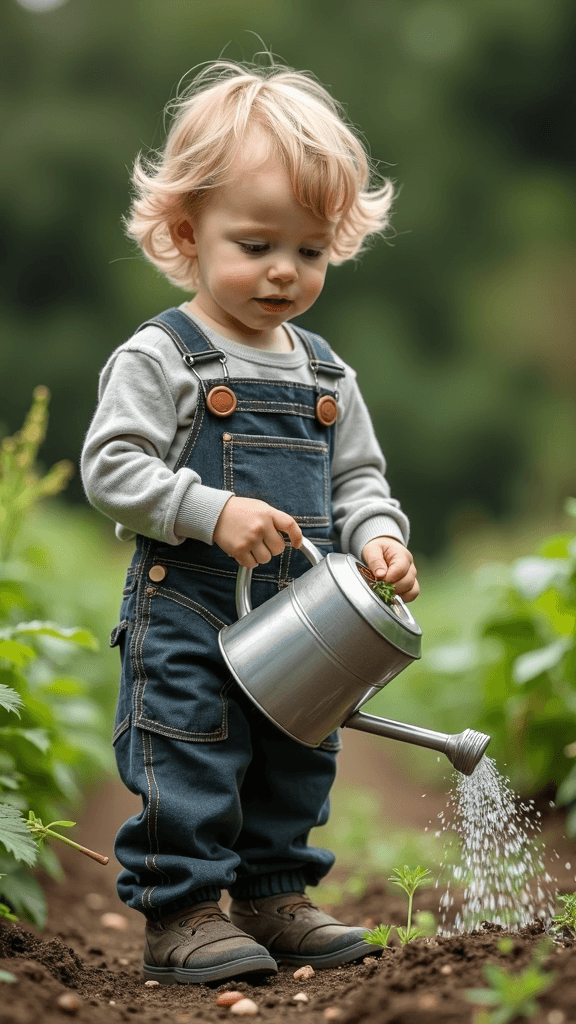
point(389, 560)
point(247, 530)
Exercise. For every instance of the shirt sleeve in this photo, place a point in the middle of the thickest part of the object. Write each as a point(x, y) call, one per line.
point(363, 507)
point(123, 464)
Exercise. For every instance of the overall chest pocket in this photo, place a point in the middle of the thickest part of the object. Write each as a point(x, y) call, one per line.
point(292, 474)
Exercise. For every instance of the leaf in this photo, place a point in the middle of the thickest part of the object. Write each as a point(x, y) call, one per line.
point(532, 576)
point(14, 835)
point(73, 635)
point(533, 663)
point(16, 653)
point(10, 700)
point(37, 737)
point(25, 894)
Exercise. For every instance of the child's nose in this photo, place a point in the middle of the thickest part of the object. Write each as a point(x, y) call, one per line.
point(283, 270)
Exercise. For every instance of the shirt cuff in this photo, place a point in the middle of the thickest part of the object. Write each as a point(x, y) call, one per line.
point(378, 526)
point(199, 511)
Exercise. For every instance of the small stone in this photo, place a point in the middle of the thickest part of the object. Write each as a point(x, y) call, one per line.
point(303, 973)
point(446, 969)
point(123, 961)
point(556, 1017)
point(117, 921)
point(369, 960)
point(68, 1003)
point(95, 901)
point(300, 997)
point(151, 984)
point(112, 1002)
point(331, 1013)
point(427, 1001)
point(183, 1018)
point(369, 923)
point(229, 998)
point(244, 1008)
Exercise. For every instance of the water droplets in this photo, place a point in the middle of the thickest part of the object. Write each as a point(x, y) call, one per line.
point(498, 868)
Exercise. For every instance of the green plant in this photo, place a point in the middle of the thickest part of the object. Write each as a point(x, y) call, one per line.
point(409, 879)
point(20, 484)
point(505, 662)
point(385, 591)
point(567, 917)
point(512, 995)
point(61, 732)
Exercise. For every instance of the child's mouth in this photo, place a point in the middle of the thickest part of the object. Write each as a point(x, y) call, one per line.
point(274, 305)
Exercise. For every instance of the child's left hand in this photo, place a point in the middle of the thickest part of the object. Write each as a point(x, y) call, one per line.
point(391, 561)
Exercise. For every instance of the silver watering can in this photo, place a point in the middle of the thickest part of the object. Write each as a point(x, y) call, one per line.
point(312, 654)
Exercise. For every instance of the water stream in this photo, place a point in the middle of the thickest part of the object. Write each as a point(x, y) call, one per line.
point(493, 856)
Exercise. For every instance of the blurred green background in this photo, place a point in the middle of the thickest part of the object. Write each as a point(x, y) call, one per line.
point(460, 328)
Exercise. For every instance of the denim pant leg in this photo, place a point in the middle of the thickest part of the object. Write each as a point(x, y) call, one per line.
point(284, 794)
point(179, 849)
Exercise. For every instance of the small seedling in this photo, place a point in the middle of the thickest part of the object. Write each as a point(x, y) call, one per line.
point(512, 995)
point(379, 936)
point(409, 879)
point(385, 591)
point(42, 832)
point(566, 919)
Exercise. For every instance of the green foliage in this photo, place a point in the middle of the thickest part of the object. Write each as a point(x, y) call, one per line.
point(567, 917)
point(385, 591)
point(59, 738)
point(501, 658)
point(409, 879)
point(379, 935)
point(512, 995)
point(21, 486)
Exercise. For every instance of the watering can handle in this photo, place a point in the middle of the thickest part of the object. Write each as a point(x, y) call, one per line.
point(244, 577)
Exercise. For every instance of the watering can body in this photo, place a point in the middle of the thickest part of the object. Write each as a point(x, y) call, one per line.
point(311, 655)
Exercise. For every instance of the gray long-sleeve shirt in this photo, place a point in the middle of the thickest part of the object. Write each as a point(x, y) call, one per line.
point(146, 402)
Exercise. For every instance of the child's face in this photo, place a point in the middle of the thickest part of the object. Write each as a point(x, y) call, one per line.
point(262, 257)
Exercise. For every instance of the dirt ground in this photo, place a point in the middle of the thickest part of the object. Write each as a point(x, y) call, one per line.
point(424, 983)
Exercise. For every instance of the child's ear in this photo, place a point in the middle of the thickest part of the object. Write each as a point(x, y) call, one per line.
point(182, 235)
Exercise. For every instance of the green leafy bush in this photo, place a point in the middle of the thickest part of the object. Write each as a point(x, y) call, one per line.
point(512, 995)
point(504, 662)
point(60, 735)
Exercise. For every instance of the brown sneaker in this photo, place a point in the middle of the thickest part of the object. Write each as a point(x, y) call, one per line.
point(201, 944)
point(297, 932)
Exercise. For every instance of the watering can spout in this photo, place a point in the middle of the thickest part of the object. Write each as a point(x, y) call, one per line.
point(464, 750)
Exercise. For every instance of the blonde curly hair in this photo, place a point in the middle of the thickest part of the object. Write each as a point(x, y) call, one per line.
point(327, 163)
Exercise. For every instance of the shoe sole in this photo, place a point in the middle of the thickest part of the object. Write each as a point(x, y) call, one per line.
point(325, 960)
point(199, 975)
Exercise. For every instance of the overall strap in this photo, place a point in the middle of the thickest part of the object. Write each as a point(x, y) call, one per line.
point(320, 356)
point(193, 345)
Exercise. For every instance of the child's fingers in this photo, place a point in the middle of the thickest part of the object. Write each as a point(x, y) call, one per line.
point(285, 523)
point(400, 564)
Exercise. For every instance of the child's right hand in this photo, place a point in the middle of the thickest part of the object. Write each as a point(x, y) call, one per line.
point(247, 530)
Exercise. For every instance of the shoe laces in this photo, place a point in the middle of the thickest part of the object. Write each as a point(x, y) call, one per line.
point(203, 917)
point(296, 903)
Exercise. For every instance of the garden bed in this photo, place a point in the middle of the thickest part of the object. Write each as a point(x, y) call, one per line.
point(423, 983)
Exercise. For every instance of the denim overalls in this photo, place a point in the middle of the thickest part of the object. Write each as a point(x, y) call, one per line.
point(228, 798)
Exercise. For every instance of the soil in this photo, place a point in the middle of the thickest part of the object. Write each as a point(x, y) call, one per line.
point(423, 983)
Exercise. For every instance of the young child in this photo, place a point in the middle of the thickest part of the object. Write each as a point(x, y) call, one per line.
point(223, 433)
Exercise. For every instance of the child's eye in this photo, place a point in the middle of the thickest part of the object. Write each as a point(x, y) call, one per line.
point(311, 254)
point(254, 247)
